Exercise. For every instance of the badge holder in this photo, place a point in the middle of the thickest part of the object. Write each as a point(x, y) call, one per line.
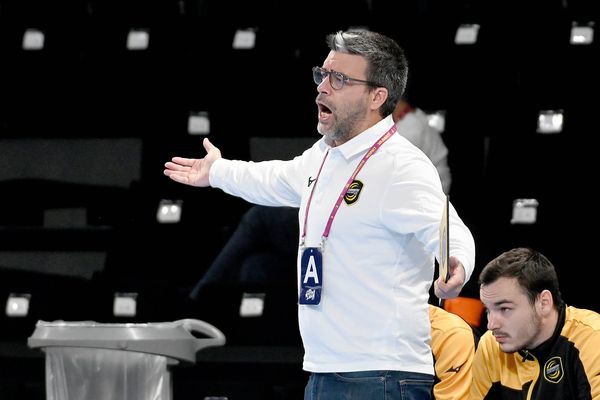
point(311, 276)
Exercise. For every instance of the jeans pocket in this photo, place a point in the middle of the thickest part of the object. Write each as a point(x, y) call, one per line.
point(416, 388)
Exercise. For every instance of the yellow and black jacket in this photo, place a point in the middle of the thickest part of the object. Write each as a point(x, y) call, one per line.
point(565, 367)
point(453, 345)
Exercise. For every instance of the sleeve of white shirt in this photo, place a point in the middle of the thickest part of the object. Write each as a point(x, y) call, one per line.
point(413, 204)
point(270, 183)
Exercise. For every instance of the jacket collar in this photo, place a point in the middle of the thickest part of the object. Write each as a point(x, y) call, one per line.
point(541, 351)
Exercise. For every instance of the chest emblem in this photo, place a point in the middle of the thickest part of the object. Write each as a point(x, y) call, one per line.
point(353, 192)
point(553, 370)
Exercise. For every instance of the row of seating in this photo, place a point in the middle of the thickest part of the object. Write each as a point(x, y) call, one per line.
point(167, 8)
point(86, 124)
point(492, 92)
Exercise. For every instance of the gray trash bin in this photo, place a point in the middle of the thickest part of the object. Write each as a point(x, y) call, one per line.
point(100, 361)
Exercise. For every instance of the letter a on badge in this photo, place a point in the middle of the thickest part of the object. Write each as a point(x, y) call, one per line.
point(311, 271)
point(311, 275)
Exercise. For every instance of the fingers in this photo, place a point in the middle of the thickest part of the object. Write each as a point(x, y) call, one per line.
point(193, 171)
point(178, 177)
point(439, 293)
point(172, 169)
point(179, 164)
point(446, 290)
point(174, 175)
point(184, 164)
point(208, 146)
point(182, 161)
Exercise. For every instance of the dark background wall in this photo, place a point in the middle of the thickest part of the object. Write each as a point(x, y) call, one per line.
point(86, 126)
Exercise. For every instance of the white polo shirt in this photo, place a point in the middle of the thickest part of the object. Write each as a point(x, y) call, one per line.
point(378, 261)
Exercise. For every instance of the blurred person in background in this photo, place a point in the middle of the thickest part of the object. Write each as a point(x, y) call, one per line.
point(413, 124)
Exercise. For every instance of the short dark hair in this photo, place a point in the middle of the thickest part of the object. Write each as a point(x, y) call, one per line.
point(533, 271)
point(386, 62)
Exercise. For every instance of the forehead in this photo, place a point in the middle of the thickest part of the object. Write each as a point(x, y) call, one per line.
point(349, 64)
point(502, 290)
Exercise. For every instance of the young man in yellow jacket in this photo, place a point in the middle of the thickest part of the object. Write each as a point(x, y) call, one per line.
point(536, 347)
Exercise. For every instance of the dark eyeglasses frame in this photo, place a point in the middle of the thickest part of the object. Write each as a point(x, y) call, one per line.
point(322, 72)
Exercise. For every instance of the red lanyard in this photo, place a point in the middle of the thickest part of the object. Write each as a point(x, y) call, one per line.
point(360, 165)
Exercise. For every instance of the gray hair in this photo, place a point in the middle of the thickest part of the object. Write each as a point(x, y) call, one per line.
point(386, 62)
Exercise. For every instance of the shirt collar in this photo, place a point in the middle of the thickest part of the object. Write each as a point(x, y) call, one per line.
point(364, 140)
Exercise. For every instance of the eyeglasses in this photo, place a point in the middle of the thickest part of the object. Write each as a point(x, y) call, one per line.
point(337, 79)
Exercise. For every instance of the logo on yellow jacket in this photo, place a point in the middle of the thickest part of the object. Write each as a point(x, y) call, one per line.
point(553, 370)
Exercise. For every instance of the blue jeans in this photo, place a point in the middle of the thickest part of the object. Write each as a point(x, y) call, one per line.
point(369, 385)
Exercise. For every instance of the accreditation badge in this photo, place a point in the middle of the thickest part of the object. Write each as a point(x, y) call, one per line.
point(311, 276)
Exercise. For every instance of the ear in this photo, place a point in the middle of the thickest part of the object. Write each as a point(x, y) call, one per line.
point(378, 96)
point(545, 302)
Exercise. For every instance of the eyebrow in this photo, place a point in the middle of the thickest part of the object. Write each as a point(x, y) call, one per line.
point(503, 302)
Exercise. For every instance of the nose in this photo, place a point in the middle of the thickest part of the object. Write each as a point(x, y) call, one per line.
point(491, 321)
point(325, 85)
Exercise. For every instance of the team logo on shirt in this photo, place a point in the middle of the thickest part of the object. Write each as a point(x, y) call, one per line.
point(553, 370)
point(353, 191)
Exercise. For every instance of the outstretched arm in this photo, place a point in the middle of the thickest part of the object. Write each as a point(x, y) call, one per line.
point(193, 171)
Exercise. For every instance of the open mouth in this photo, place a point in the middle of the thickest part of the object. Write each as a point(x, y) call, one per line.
point(324, 112)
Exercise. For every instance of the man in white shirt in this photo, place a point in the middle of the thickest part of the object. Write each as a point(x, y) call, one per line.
point(370, 208)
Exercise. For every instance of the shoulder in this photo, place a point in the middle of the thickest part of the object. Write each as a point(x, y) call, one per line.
point(582, 326)
point(582, 331)
point(444, 320)
point(581, 319)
